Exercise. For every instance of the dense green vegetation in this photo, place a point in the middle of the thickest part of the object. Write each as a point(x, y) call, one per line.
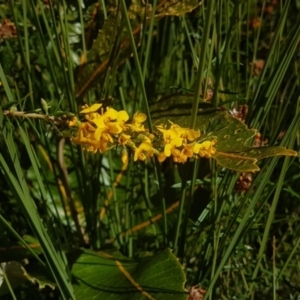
point(75, 224)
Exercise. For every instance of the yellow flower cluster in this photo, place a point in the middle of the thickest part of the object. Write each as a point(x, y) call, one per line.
point(109, 128)
point(181, 144)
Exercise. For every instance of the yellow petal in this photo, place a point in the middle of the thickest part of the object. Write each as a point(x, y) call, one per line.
point(139, 117)
point(103, 146)
point(161, 157)
point(122, 116)
point(196, 148)
point(91, 109)
point(206, 145)
point(124, 155)
point(175, 152)
point(114, 127)
point(99, 122)
point(192, 134)
point(142, 156)
point(188, 150)
point(202, 153)
point(111, 114)
point(145, 146)
point(123, 139)
point(177, 141)
point(73, 122)
point(168, 149)
point(98, 133)
point(107, 137)
point(136, 154)
point(161, 128)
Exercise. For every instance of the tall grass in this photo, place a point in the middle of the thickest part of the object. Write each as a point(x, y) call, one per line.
point(235, 244)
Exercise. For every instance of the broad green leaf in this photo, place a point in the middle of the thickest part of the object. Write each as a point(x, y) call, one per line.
point(232, 135)
point(17, 275)
point(111, 276)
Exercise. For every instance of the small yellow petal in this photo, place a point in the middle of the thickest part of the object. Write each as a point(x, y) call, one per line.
point(107, 137)
point(91, 109)
point(103, 146)
point(99, 122)
point(196, 148)
point(192, 134)
point(188, 150)
point(122, 116)
point(161, 157)
point(73, 122)
point(136, 154)
point(114, 127)
point(206, 145)
point(139, 117)
point(98, 133)
point(111, 114)
point(145, 146)
point(177, 142)
point(168, 149)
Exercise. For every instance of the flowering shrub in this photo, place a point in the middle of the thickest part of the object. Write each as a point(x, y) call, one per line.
point(109, 128)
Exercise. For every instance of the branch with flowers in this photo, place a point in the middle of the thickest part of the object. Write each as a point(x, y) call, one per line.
point(105, 128)
point(221, 136)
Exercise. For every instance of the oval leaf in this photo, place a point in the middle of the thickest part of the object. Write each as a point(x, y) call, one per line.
point(111, 276)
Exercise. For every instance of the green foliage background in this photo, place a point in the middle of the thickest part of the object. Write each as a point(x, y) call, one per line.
point(56, 198)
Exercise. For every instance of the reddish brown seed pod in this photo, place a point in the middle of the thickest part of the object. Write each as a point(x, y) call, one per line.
point(196, 293)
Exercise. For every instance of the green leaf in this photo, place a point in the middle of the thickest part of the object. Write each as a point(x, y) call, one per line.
point(110, 276)
point(176, 7)
point(214, 123)
point(16, 274)
point(245, 161)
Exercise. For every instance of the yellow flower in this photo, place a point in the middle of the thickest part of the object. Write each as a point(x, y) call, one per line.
point(137, 120)
point(171, 139)
point(144, 151)
point(73, 122)
point(107, 124)
point(123, 139)
point(179, 156)
point(117, 127)
point(186, 133)
point(87, 137)
point(205, 149)
point(84, 129)
point(188, 150)
point(106, 128)
point(144, 138)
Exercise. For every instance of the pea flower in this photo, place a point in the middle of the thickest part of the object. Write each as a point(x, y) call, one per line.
point(205, 149)
point(144, 151)
point(171, 139)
